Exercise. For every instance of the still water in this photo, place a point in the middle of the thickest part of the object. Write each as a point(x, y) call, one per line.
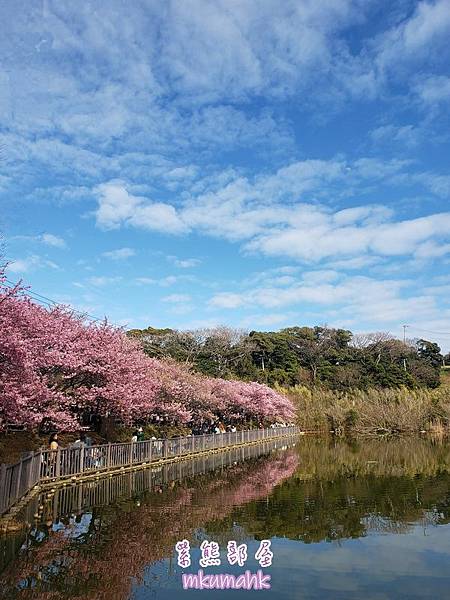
point(365, 519)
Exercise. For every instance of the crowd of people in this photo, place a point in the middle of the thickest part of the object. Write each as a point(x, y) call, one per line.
point(138, 435)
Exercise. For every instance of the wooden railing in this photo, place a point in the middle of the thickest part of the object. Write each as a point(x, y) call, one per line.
point(85, 496)
point(18, 479)
point(47, 466)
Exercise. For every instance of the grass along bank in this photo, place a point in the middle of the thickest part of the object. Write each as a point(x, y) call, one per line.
point(388, 410)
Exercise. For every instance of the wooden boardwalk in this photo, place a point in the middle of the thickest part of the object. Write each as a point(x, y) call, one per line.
point(51, 468)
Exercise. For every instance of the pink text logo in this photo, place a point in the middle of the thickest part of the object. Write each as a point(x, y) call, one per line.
point(226, 581)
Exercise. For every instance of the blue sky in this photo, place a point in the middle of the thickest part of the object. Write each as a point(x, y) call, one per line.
point(258, 164)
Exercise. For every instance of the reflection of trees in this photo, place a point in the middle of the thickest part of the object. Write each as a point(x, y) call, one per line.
point(326, 458)
point(119, 541)
point(325, 491)
point(347, 490)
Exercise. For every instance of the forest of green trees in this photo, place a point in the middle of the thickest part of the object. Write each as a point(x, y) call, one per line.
point(310, 356)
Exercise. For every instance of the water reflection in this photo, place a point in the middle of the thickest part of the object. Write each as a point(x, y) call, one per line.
point(86, 554)
point(347, 520)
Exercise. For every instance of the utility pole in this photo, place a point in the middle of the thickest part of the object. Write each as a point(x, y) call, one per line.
point(404, 341)
point(404, 333)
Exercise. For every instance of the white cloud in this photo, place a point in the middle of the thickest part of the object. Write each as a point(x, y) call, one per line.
point(416, 38)
point(180, 309)
point(101, 280)
point(30, 263)
point(146, 280)
point(358, 299)
point(433, 89)
point(359, 262)
point(80, 92)
point(22, 265)
point(244, 48)
point(180, 120)
point(274, 215)
point(117, 206)
point(184, 263)
point(167, 281)
point(405, 135)
point(320, 236)
point(227, 300)
point(119, 254)
point(182, 173)
point(48, 239)
point(177, 298)
point(53, 240)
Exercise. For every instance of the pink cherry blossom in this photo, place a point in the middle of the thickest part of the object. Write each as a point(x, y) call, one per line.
point(55, 365)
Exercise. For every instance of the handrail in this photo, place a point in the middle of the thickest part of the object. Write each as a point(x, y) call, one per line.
point(54, 465)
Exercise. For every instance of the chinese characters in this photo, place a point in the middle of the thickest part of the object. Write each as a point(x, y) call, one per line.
point(237, 554)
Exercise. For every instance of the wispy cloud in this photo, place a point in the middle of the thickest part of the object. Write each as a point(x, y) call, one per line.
point(53, 240)
point(102, 280)
point(177, 298)
point(184, 263)
point(362, 299)
point(271, 215)
point(30, 263)
point(433, 89)
point(166, 281)
point(119, 254)
point(227, 137)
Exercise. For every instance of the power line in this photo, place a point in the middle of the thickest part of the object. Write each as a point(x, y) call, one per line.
point(49, 302)
point(35, 295)
point(428, 331)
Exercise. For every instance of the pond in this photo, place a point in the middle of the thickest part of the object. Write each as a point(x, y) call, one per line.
point(346, 519)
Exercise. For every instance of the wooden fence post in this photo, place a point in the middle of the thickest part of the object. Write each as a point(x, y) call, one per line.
point(58, 464)
point(3, 498)
point(80, 498)
point(37, 467)
point(81, 469)
point(30, 481)
point(108, 456)
point(19, 477)
point(131, 452)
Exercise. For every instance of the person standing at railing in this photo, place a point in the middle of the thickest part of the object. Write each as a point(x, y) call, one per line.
point(53, 442)
point(84, 441)
point(53, 445)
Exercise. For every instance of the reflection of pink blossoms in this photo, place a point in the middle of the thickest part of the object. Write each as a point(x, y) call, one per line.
point(264, 555)
point(236, 554)
point(184, 557)
point(210, 554)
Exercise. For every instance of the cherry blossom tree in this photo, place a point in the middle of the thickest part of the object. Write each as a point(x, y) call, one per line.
point(56, 366)
point(53, 364)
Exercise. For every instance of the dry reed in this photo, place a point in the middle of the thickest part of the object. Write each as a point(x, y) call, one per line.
point(374, 410)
